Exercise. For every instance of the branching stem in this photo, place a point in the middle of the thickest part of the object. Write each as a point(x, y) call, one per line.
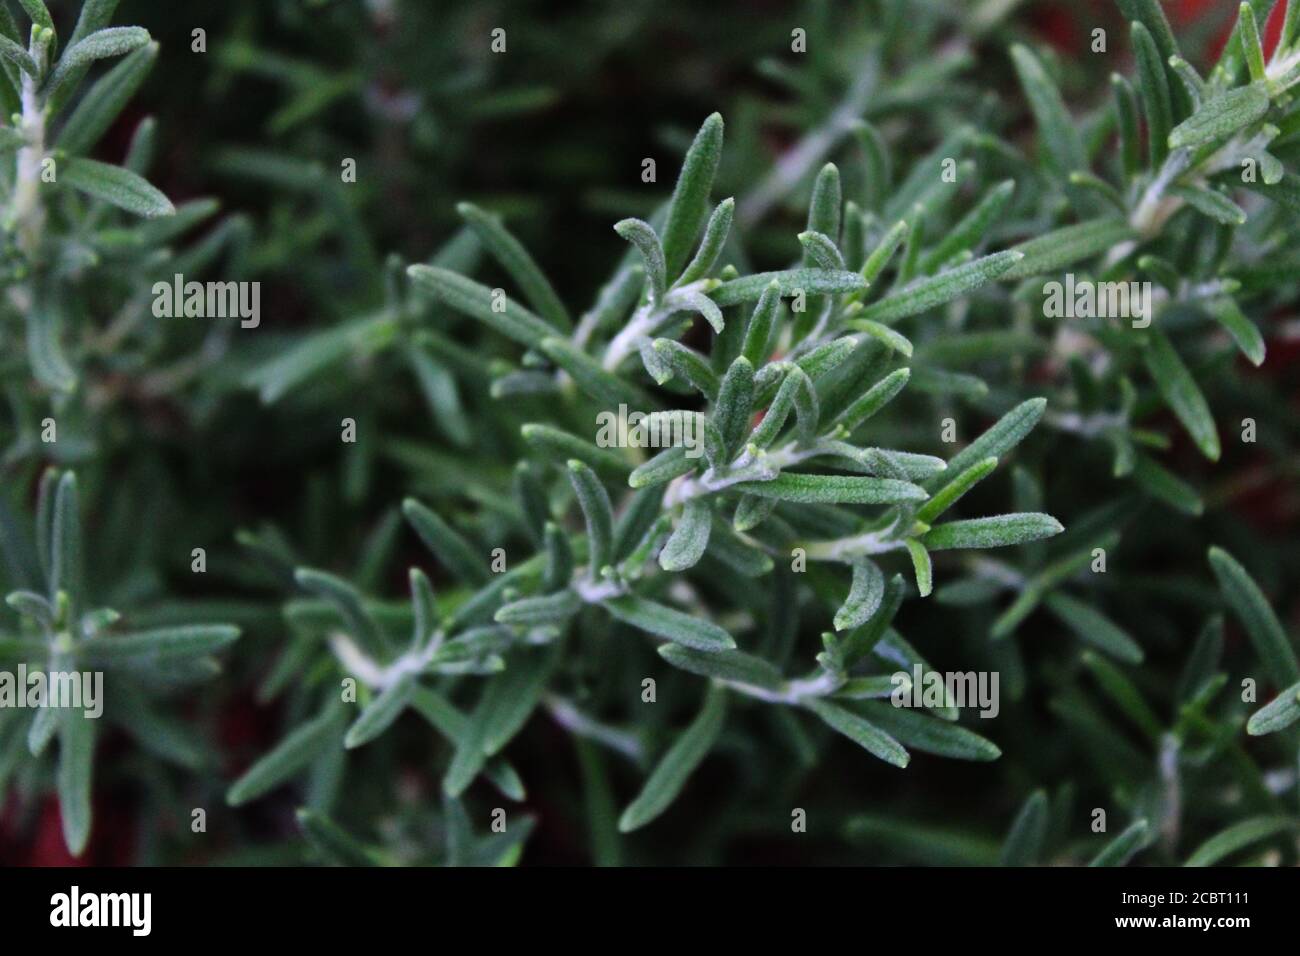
point(27, 212)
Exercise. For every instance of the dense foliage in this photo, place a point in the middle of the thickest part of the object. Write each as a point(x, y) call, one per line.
point(372, 579)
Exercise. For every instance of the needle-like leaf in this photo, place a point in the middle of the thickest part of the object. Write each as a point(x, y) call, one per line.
point(672, 772)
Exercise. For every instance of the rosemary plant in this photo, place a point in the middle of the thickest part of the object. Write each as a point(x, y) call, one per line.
point(639, 533)
point(84, 238)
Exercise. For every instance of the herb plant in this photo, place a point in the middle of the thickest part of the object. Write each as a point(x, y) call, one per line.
point(496, 614)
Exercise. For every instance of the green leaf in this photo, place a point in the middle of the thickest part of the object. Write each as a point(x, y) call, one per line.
point(1290, 28)
point(76, 767)
point(873, 400)
point(475, 646)
point(438, 387)
point(788, 283)
point(47, 491)
point(1061, 141)
point(752, 511)
point(671, 773)
point(347, 601)
point(459, 837)
point(884, 251)
point(1203, 662)
point(642, 235)
point(940, 846)
point(160, 646)
point(476, 301)
point(1122, 849)
point(1237, 836)
point(865, 595)
point(514, 258)
point(34, 606)
point(827, 356)
point(1062, 247)
point(18, 56)
point(861, 731)
point(766, 431)
point(1151, 15)
point(1277, 714)
point(1153, 82)
point(1243, 331)
point(884, 335)
point(820, 251)
point(1126, 109)
point(161, 735)
point(949, 494)
point(1024, 842)
point(876, 157)
point(314, 354)
point(735, 666)
point(424, 606)
point(1005, 434)
point(997, 531)
point(715, 237)
point(44, 726)
point(833, 489)
point(1221, 116)
point(641, 530)
point(1252, 609)
point(381, 712)
point(731, 411)
point(1158, 481)
point(1179, 390)
point(690, 300)
point(447, 544)
point(587, 372)
point(670, 624)
point(505, 705)
point(559, 557)
point(1095, 628)
point(39, 13)
point(560, 446)
point(920, 566)
point(302, 746)
point(1251, 47)
point(115, 185)
point(95, 15)
point(919, 731)
point(972, 228)
point(598, 514)
point(689, 364)
point(825, 204)
point(928, 293)
point(100, 45)
point(537, 611)
point(67, 570)
point(44, 351)
point(938, 381)
point(1128, 700)
point(1211, 203)
point(664, 467)
point(105, 100)
point(1193, 87)
point(690, 538)
point(690, 198)
point(333, 842)
point(512, 697)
